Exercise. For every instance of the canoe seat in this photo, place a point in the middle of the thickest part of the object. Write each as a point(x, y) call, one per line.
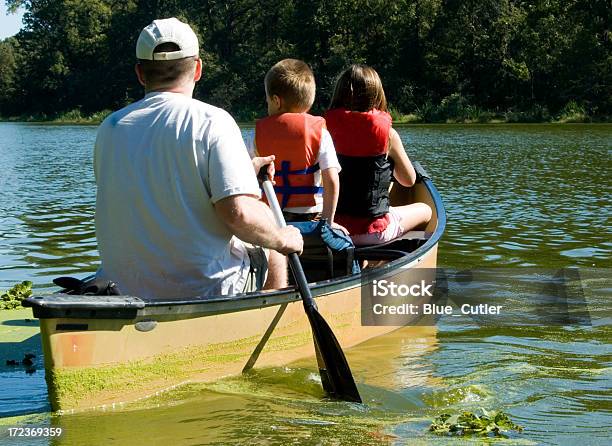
point(328, 252)
point(407, 242)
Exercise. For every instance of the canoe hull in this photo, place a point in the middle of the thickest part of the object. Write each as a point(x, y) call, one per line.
point(113, 361)
point(101, 351)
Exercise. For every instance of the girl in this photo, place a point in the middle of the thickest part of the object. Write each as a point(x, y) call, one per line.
point(370, 153)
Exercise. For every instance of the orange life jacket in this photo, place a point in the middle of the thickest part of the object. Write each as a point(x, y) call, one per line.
point(295, 140)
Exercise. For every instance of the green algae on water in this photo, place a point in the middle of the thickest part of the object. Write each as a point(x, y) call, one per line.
point(12, 298)
point(490, 423)
point(69, 386)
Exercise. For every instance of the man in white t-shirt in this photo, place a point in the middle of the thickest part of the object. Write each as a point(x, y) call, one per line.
point(177, 191)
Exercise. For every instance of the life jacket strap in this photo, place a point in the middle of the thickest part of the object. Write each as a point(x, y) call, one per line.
point(286, 190)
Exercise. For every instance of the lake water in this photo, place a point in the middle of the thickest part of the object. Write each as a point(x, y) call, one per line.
point(517, 196)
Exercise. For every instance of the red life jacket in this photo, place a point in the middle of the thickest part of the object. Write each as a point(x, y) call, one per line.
point(295, 140)
point(359, 133)
point(361, 140)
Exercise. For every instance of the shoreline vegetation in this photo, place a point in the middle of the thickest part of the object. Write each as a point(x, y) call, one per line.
point(452, 110)
point(488, 61)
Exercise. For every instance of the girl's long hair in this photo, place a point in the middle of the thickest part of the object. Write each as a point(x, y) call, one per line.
point(359, 89)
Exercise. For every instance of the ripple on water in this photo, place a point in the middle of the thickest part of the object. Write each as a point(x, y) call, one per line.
point(514, 197)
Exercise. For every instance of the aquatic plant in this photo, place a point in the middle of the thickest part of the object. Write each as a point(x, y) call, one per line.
point(13, 297)
point(490, 423)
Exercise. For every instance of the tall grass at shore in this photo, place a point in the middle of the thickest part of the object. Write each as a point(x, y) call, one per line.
point(456, 109)
point(453, 109)
point(75, 116)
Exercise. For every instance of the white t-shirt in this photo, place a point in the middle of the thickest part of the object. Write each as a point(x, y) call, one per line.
point(160, 165)
point(326, 158)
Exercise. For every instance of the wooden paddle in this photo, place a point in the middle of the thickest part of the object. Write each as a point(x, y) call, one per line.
point(336, 376)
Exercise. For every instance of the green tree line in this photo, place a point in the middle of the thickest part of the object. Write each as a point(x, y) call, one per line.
point(439, 59)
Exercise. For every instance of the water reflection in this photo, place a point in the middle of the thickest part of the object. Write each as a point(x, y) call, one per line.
point(518, 195)
point(512, 194)
point(62, 242)
point(515, 192)
point(278, 405)
point(47, 203)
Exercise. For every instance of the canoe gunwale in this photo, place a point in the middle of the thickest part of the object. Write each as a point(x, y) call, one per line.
point(130, 307)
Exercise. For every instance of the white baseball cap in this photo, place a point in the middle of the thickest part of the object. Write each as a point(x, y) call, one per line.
point(164, 31)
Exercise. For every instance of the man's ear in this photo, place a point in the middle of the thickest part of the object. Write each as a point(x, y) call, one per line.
point(139, 74)
point(198, 70)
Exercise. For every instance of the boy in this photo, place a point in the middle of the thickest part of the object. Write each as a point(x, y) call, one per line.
point(306, 165)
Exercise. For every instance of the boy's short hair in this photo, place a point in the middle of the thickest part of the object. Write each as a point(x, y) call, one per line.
point(293, 81)
point(166, 73)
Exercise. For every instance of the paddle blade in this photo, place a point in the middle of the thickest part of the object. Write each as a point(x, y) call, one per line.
point(336, 375)
point(335, 372)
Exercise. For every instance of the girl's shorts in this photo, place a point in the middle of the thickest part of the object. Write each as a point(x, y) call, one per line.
point(393, 231)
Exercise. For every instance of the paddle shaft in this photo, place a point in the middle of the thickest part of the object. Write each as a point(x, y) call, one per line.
point(294, 260)
point(336, 376)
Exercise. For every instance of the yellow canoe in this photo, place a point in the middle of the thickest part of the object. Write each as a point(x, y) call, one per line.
point(106, 350)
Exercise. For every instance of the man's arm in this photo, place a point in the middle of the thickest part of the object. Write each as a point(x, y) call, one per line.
point(252, 221)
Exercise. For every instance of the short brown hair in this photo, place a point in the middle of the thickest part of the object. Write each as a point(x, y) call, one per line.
point(359, 88)
point(166, 73)
point(293, 81)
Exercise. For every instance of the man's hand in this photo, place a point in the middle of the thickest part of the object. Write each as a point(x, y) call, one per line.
point(292, 240)
point(260, 161)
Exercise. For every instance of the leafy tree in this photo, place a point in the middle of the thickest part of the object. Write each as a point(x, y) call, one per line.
point(8, 67)
point(436, 56)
